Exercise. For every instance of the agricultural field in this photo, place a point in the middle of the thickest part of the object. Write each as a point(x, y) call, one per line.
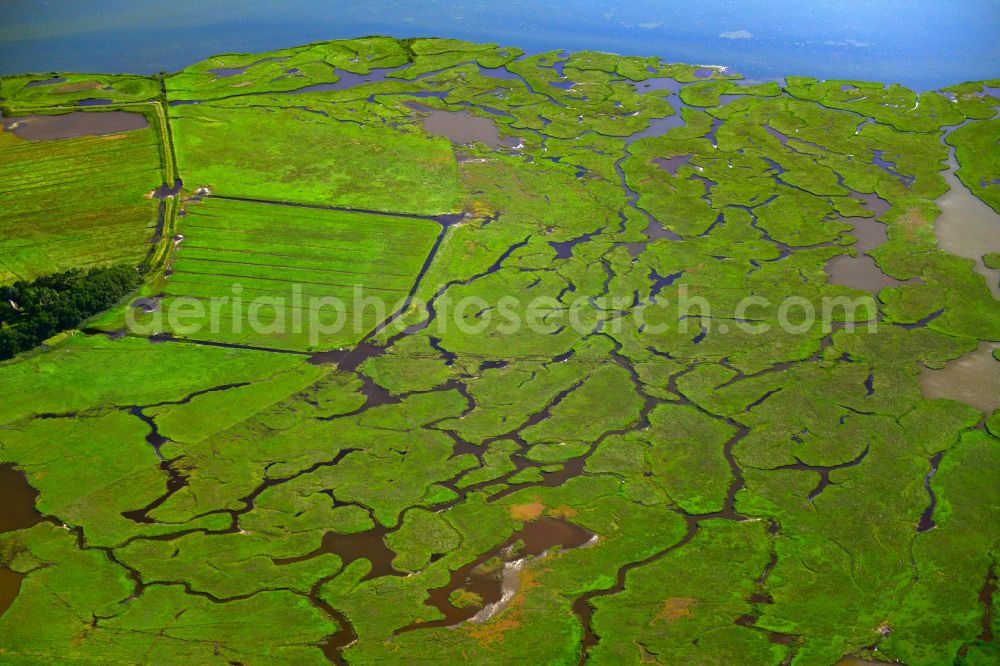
point(584, 414)
point(299, 256)
point(291, 155)
point(76, 202)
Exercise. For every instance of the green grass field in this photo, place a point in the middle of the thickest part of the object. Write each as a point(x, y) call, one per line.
point(76, 202)
point(269, 250)
point(293, 155)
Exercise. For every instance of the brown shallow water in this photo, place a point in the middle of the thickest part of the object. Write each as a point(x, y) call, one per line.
point(10, 585)
point(349, 548)
point(458, 126)
point(973, 379)
point(872, 202)
point(966, 226)
point(861, 271)
point(671, 164)
point(17, 500)
point(17, 511)
point(74, 124)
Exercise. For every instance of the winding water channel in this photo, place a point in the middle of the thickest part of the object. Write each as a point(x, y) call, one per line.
point(967, 227)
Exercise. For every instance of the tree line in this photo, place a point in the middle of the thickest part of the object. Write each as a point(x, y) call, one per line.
point(32, 311)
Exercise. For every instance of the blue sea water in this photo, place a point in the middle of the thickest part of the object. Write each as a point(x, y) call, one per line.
point(923, 44)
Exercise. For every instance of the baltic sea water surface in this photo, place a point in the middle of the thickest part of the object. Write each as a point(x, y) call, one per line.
point(922, 44)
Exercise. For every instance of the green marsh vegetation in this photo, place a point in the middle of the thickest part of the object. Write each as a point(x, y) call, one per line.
point(768, 496)
point(68, 89)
